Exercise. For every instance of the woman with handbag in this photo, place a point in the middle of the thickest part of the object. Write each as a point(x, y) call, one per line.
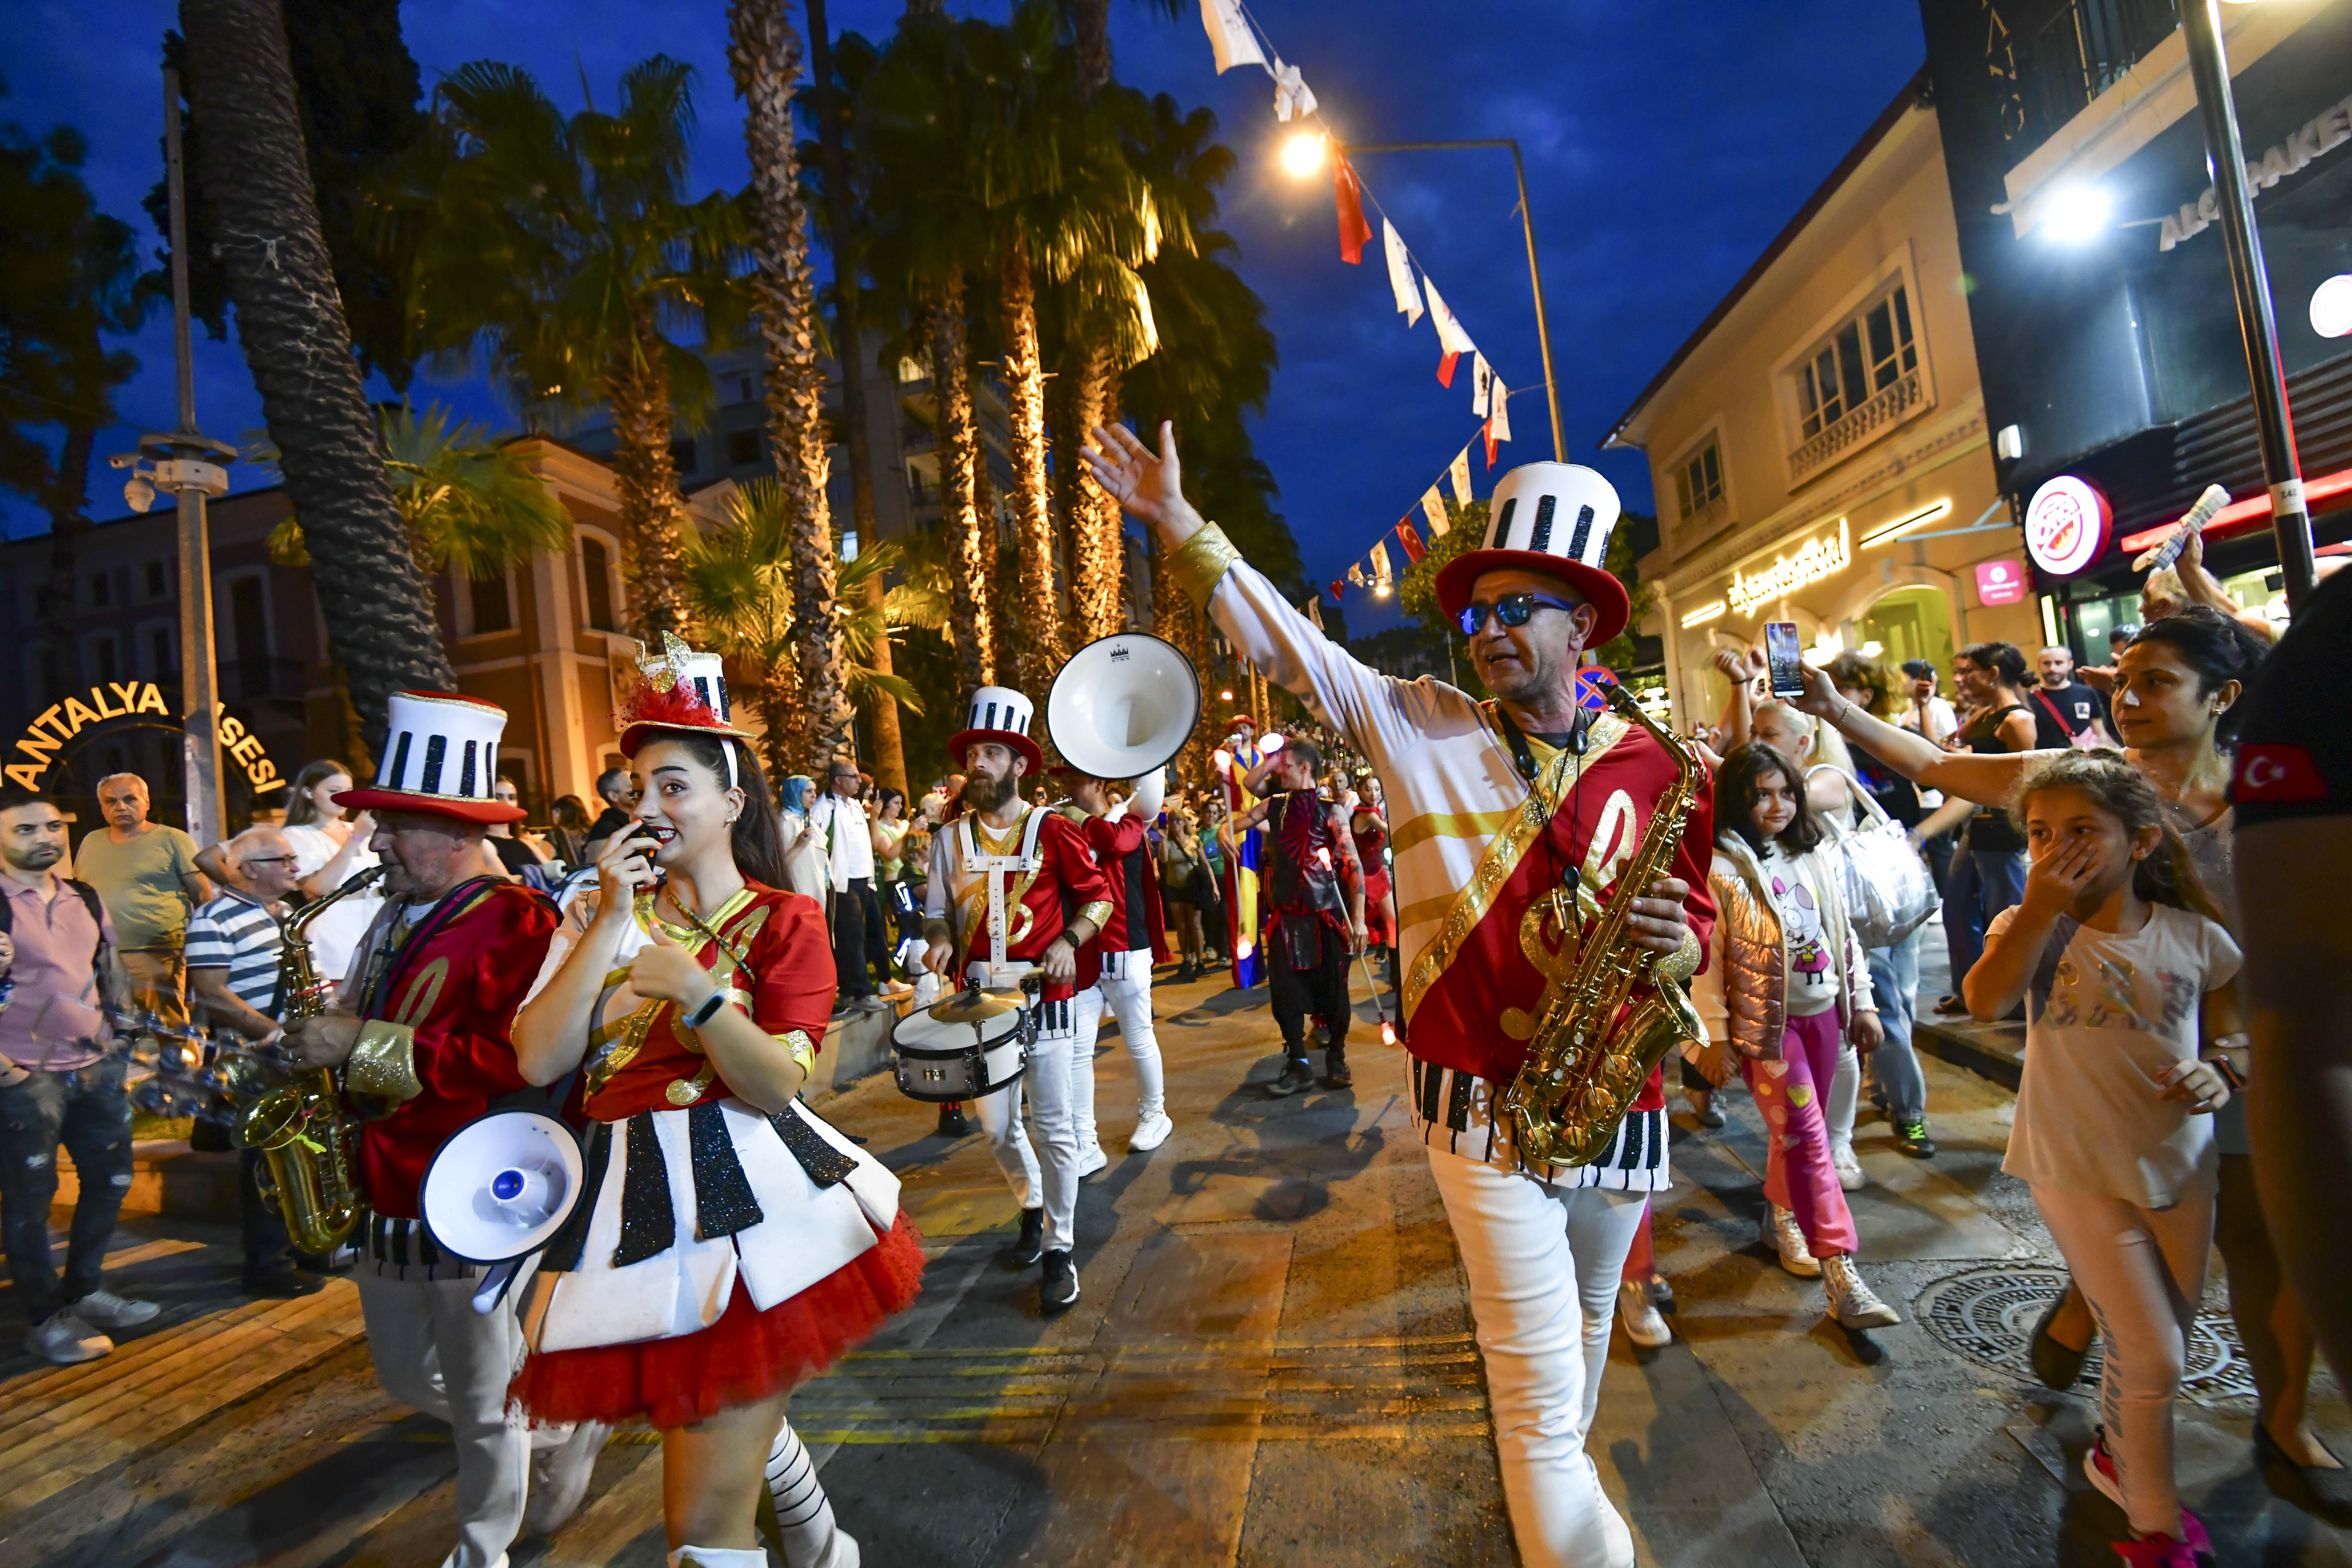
point(1787, 986)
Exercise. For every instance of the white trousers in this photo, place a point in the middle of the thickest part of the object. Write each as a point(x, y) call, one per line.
point(1125, 997)
point(433, 1352)
point(1544, 1263)
point(1050, 1097)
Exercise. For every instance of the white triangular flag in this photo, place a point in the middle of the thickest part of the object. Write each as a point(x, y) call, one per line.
point(1407, 293)
point(1459, 472)
point(1356, 574)
point(1292, 98)
point(1433, 507)
point(1498, 423)
point(1381, 574)
point(1482, 385)
point(1230, 35)
point(1450, 335)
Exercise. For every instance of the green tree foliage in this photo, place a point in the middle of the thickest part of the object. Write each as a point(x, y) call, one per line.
point(358, 91)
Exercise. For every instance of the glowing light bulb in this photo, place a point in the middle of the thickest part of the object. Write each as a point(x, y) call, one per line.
point(1303, 153)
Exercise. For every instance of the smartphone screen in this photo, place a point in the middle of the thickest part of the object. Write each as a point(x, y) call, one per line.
point(1783, 661)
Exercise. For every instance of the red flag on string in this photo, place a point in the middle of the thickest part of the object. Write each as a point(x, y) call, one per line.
point(1354, 232)
point(1338, 596)
point(1446, 370)
point(1410, 538)
point(1486, 432)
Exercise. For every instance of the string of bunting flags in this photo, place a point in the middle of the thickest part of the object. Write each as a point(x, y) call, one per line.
point(1238, 39)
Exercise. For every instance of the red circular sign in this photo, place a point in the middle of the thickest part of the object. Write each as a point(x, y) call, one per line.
point(2066, 525)
point(1593, 683)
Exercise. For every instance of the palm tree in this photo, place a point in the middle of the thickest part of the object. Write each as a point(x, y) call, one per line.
point(564, 253)
point(472, 506)
point(764, 55)
point(250, 161)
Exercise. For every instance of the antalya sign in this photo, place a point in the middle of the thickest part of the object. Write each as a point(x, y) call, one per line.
point(46, 736)
point(1823, 555)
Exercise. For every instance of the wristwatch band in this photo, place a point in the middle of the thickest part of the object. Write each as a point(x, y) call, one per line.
point(708, 1010)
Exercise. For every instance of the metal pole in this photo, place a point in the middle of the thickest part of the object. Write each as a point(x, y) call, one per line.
point(199, 687)
point(1534, 273)
point(2200, 21)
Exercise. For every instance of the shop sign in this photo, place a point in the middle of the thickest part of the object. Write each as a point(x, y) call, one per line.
point(2000, 582)
point(1823, 555)
point(109, 700)
point(2066, 525)
point(2324, 132)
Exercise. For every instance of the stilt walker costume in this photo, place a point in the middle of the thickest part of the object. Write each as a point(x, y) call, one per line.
point(720, 1255)
point(437, 985)
point(1487, 822)
point(1134, 937)
point(1000, 897)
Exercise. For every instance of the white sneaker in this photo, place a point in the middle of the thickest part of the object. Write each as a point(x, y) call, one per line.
point(1853, 1303)
point(1848, 1167)
point(1150, 1132)
point(63, 1339)
point(1643, 1325)
point(1091, 1159)
point(106, 1309)
point(1784, 1235)
point(558, 1476)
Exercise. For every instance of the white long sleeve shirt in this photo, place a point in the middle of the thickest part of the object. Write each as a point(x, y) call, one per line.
point(849, 840)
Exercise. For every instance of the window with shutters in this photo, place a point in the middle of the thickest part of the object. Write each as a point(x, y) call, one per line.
point(1860, 377)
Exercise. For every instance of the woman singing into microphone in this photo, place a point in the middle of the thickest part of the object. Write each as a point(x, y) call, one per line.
point(729, 1245)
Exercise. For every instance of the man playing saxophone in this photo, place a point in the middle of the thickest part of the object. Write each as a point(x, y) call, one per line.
point(422, 1025)
point(1512, 820)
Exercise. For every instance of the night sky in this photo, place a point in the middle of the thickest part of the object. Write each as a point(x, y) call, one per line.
point(1666, 143)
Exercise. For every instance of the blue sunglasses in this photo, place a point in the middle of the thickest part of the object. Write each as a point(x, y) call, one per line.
point(1511, 609)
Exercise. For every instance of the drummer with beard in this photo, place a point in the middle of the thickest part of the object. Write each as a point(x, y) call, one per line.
point(1028, 899)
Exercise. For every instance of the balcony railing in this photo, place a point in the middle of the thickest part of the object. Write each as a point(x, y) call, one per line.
point(2055, 70)
point(1857, 425)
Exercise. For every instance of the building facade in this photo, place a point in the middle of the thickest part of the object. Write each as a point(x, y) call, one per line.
point(1819, 447)
point(2103, 306)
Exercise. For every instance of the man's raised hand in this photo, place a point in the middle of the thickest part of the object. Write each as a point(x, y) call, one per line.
point(1149, 486)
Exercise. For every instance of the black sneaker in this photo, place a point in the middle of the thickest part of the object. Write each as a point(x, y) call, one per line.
point(283, 1283)
point(1703, 1106)
point(1059, 1290)
point(1911, 1137)
point(1030, 1244)
point(1296, 1076)
point(1335, 1068)
point(1951, 1007)
point(953, 1123)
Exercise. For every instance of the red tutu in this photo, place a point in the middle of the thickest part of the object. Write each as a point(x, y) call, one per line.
point(1378, 929)
point(745, 1357)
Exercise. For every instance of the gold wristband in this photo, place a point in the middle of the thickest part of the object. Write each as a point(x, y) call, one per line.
point(801, 1049)
point(1198, 563)
point(1097, 914)
point(382, 1062)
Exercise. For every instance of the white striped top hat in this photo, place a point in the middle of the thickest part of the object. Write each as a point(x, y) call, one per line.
point(440, 756)
point(680, 689)
point(1552, 518)
point(1000, 714)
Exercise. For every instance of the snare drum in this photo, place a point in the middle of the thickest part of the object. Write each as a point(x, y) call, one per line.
point(940, 1061)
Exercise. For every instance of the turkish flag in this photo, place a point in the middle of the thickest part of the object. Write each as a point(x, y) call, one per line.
point(2275, 773)
point(1354, 232)
point(1408, 537)
point(1488, 432)
point(1337, 590)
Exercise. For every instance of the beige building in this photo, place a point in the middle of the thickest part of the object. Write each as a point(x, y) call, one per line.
point(1819, 448)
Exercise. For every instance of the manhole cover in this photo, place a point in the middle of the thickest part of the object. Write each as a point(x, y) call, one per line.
point(1988, 1315)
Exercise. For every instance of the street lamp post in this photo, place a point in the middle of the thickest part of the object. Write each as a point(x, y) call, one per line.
point(2200, 22)
point(1534, 273)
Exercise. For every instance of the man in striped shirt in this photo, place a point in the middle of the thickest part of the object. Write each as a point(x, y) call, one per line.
point(233, 944)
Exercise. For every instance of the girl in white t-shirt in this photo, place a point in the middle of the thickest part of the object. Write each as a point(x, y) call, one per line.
point(2132, 1043)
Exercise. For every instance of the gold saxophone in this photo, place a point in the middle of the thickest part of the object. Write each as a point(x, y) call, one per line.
point(1585, 1062)
point(306, 1140)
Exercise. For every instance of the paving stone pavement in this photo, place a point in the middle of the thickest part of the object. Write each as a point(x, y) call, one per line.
point(1272, 1363)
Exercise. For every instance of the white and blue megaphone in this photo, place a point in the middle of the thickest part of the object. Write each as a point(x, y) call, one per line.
point(499, 1190)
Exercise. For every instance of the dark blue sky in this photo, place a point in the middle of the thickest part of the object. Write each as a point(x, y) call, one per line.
point(1665, 142)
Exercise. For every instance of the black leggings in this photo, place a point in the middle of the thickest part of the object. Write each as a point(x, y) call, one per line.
point(1320, 991)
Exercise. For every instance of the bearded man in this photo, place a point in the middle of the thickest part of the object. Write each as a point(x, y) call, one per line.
point(1500, 807)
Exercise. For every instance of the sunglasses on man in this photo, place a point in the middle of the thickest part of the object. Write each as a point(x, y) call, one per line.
point(1511, 609)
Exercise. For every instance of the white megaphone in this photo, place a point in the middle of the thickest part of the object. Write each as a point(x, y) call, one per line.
point(499, 1190)
point(1124, 705)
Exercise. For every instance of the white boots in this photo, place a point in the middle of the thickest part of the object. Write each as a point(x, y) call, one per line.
point(559, 1474)
point(1786, 1237)
point(1853, 1303)
point(803, 1513)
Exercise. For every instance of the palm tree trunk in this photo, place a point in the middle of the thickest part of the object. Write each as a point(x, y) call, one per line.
point(1043, 646)
point(653, 513)
point(290, 318)
point(973, 602)
point(1094, 47)
point(889, 753)
point(765, 58)
point(1095, 528)
point(1004, 627)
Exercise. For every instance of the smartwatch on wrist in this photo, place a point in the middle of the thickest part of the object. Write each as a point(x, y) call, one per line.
point(707, 1011)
